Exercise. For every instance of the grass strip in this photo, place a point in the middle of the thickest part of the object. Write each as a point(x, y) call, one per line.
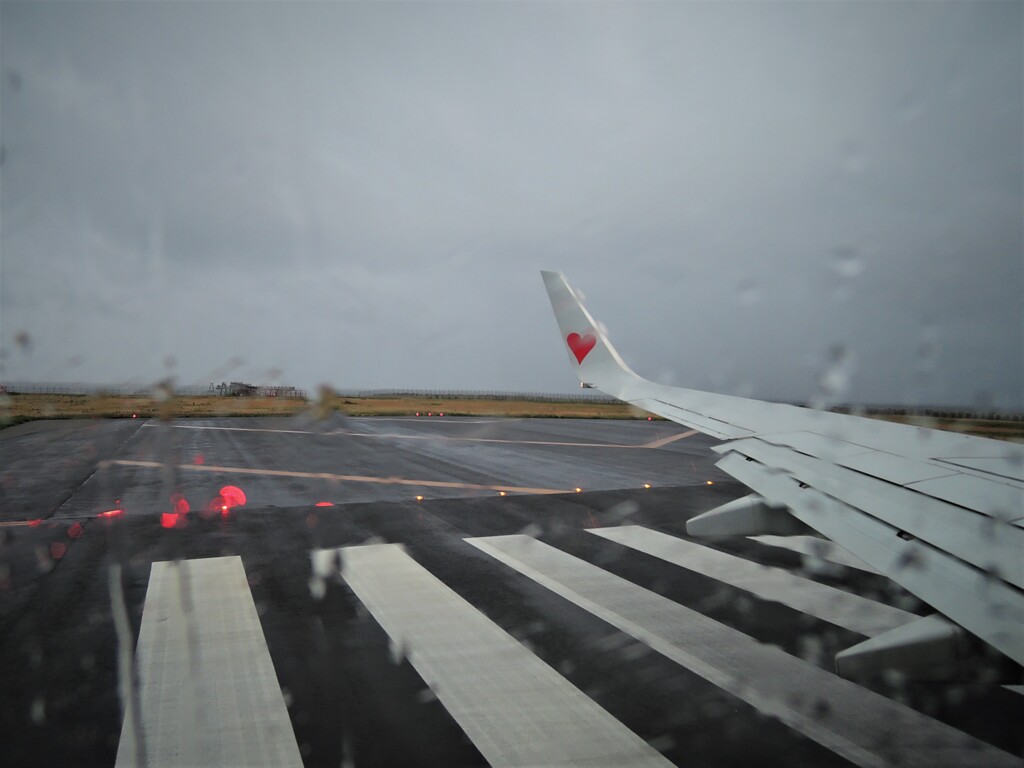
point(18, 408)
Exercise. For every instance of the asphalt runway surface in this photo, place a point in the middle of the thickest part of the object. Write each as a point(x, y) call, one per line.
point(437, 592)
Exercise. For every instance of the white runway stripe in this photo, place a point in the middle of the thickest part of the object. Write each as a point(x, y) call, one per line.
point(516, 709)
point(843, 609)
point(209, 694)
point(861, 726)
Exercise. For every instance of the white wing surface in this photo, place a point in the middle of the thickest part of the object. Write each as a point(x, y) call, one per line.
point(939, 513)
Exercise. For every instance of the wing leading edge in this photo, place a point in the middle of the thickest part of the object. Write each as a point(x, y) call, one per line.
point(941, 514)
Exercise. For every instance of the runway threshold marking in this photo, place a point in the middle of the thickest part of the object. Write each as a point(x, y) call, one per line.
point(844, 609)
point(340, 478)
point(516, 709)
point(209, 694)
point(653, 444)
point(853, 722)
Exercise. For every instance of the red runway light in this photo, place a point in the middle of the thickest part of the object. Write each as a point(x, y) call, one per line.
point(111, 513)
point(324, 504)
point(440, 414)
point(648, 418)
point(75, 530)
point(180, 504)
point(417, 413)
point(169, 519)
point(199, 459)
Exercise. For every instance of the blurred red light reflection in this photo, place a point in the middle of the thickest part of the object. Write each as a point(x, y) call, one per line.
point(75, 530)
point(324, 504)
point(111, 513)
point(57, 550)
point(233, 496)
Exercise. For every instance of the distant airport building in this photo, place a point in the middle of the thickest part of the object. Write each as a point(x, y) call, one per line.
point(234, 389)
point(279, 392)
point(241, 389)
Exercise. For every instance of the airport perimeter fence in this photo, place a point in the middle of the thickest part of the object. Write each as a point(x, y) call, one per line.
point(47, 388)
point(927, 412)
point(134, 390)
point(124, 390)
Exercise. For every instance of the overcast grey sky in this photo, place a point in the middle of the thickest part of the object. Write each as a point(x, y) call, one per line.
point(363, 194)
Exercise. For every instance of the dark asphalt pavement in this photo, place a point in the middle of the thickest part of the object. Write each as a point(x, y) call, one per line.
point(350, 700)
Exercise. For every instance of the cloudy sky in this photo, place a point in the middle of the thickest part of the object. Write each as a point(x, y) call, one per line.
point(749, 195)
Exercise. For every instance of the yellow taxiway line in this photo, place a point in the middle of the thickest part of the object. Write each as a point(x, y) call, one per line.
point(669, 439)
point(653, 444)
point(335, 477)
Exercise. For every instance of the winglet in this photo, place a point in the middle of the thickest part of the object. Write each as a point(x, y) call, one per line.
point(595, 360)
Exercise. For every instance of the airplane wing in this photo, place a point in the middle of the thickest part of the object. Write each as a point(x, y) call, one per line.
point(941, 514)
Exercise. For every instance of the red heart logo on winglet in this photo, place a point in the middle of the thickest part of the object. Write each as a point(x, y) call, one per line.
point(581, 345)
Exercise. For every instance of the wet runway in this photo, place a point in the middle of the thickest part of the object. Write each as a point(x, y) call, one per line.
point(432, 591)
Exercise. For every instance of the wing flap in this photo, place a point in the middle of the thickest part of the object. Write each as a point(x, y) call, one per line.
point(1007, 467)
point(991, 498)
point(988, 607)
point(984, 542)
point(996, 496)
point(892, 468)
